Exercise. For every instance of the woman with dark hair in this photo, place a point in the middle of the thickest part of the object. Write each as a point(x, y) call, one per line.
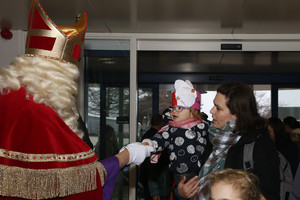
point(236, 122)
point(276, 129)
point(241, 102)
point(290, 123)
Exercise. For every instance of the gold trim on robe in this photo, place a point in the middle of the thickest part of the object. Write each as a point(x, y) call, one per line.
point(49, 183)
point(27, 157)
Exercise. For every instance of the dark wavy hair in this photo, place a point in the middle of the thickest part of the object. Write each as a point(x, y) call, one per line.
point(291, 122)
point(279, 131)
point(242, 103)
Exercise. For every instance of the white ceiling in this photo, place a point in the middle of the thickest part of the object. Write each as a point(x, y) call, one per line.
point(167, 16)
point(180, 17)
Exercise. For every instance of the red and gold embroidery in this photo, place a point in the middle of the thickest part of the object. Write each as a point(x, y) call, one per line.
point(26, 157)
point(46, 39)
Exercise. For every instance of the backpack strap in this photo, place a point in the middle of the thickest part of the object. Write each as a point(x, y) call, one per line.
point(248, 157)
point(283, 164)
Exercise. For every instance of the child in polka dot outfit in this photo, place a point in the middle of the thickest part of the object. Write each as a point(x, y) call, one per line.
point(185, 136)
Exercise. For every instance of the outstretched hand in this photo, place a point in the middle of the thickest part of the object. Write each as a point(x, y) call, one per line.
point(188, 189)
point(137, 152)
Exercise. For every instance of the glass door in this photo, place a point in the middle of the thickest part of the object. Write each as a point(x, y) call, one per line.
point(106, 112)
point(108, 126)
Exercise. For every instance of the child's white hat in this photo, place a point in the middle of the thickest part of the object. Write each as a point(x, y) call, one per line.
point(185, 95)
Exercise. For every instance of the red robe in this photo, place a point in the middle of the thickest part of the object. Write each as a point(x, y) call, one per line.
point(41, 157)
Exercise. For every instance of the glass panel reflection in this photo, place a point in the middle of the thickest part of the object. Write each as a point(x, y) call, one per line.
point(288, 102)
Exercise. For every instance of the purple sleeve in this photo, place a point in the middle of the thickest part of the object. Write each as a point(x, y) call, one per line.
point(111, 165)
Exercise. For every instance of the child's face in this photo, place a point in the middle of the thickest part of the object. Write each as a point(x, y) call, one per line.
point(180, 114)
point(223, 191)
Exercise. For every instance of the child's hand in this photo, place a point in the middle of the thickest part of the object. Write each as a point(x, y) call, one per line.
point(137, 152)
point(188, 189)
point(147, 142)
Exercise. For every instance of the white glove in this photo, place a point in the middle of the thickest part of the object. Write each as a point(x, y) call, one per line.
point(148, 141)
point(138, 152)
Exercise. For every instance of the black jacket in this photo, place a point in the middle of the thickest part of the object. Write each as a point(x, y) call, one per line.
point(265, 158)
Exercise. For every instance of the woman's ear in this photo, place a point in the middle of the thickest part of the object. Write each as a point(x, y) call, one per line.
point(233, 117)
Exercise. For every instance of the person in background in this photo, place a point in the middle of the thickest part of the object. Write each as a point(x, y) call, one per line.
point(290, 123)
point(292, 127)
point(111, 143)
point(295, 137)
point(235, 123)
point(233, 184)
point(155, 176)
point(185, 136)
point(283, 142)
point(156, 124)
point(43, 155)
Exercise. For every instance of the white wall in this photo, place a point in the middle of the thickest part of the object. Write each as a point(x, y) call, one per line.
point(9, 49)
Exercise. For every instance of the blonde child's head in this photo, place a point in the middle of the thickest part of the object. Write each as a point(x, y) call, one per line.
point(234, 184)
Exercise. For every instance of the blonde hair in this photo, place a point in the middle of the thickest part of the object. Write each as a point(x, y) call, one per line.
point(50, 82)
point(245, 183)
point(196, 113)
